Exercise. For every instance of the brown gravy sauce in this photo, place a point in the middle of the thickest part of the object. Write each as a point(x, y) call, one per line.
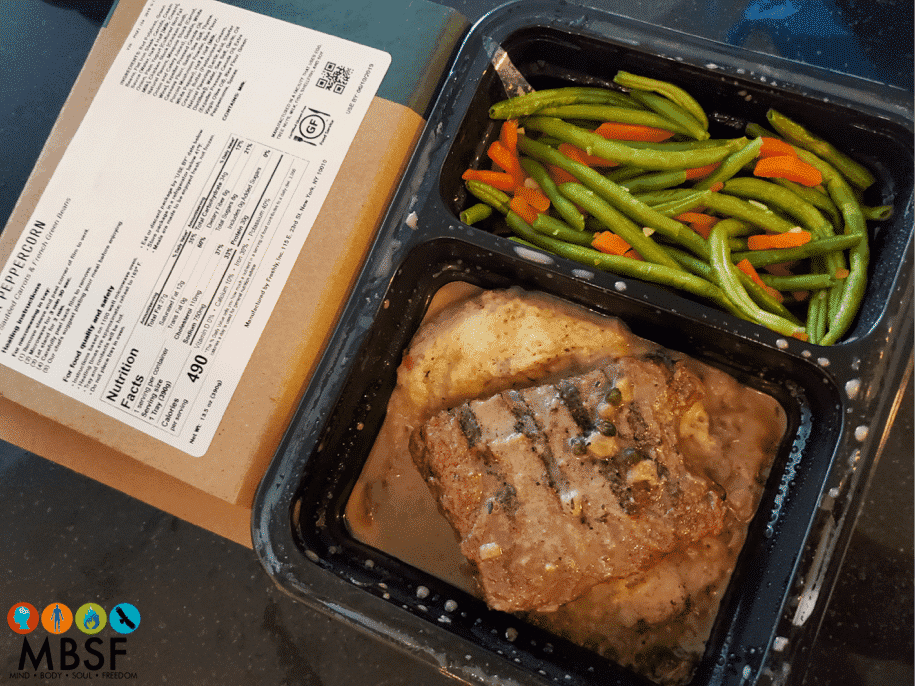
point(655, 622)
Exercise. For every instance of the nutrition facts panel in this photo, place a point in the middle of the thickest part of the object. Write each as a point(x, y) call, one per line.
point(199, 291)
point(144, 278)
point(221, 247)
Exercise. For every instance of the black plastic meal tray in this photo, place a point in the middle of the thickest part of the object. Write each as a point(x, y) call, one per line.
point(839, 400)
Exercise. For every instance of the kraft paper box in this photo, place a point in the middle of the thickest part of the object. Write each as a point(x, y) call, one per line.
point(135, 417)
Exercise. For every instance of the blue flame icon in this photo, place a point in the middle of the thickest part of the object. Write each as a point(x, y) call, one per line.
point(91, 620)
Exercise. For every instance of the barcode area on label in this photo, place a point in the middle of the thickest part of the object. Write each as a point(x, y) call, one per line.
point(334, 77)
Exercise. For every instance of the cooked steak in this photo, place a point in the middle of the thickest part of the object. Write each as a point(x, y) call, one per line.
point(557, 487)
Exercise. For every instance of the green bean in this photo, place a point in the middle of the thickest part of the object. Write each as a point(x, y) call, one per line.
point(728, 280)
point(560, 203)
point(604, 113)
point(761, 258)
point(755, 130)
point(493, 197)
point(654, 181)
point(691, 263)
point(817, 197)
point(765, 299)
point(795, 133)
point(674, 93)
point(757, 293)
point(782, 199)
point(617, 196)
point(680, 146)
point(522, 241)
point(730, 206)
point(674, 113)
point(551, 141)
point(845, 299)
point(686, 203)
point(622, 173)
point(853, 288)
point(614, 220)
point(798, 282)
point(877, 213)
point(624, 266)
point(731, 165)
point(476, 213)
point(523, 105)
point(555, 228)
point(665, 195)
point(816, 323)
point(621, 153)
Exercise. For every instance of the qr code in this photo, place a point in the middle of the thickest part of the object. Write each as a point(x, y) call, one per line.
point(334, 77)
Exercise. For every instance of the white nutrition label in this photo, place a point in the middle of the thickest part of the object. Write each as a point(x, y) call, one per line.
point(146, 274)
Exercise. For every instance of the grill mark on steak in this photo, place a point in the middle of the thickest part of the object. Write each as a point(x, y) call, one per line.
point(639, 428)
point(467, 420)
point(470, 427)
point(572, 398)
point(528, 425)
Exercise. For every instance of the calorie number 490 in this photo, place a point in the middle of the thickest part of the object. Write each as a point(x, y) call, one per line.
point(197, 367)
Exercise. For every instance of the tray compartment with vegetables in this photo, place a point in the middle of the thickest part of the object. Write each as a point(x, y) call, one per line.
point(834, 376)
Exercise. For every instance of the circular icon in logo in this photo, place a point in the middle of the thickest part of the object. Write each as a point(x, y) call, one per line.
point(90, 618)
point(312, 126)
point(22, 618)
point(56, 618)
point(124, 618)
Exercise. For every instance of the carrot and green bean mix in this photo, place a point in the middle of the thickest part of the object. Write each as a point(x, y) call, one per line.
point(770, 226)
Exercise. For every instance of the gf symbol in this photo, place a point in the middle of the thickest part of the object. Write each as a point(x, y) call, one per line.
point(313, 125)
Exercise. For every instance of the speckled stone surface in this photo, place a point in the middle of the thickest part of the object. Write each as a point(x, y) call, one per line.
point(210, 614)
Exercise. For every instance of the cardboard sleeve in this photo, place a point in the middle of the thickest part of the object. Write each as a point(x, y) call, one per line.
point(215, 491)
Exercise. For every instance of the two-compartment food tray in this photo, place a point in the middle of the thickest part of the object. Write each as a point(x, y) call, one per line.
point(839, 399)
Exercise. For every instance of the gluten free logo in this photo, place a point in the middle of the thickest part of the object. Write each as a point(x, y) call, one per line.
point(313, 126)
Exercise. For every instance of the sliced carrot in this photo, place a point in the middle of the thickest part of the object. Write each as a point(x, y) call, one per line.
point(521, 207)
point(633, 255)
point(507, 161)
point(560, 175)
point(745, 266)
point(508, 135)
point(698, 221)
point(800, 335)
point(841, 273)
point(700, 172)
point(501, 180)
point(581, 156)
point(596, 161)
point(573, 153)
point(632, 132)
point(717, 186)
point(779, 269)
point(769, 241)
point(788, 167)
point(771, 147)
point(534, 197)
point(610, 243)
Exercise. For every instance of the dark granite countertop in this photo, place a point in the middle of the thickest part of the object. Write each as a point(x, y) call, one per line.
point(211, 614)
